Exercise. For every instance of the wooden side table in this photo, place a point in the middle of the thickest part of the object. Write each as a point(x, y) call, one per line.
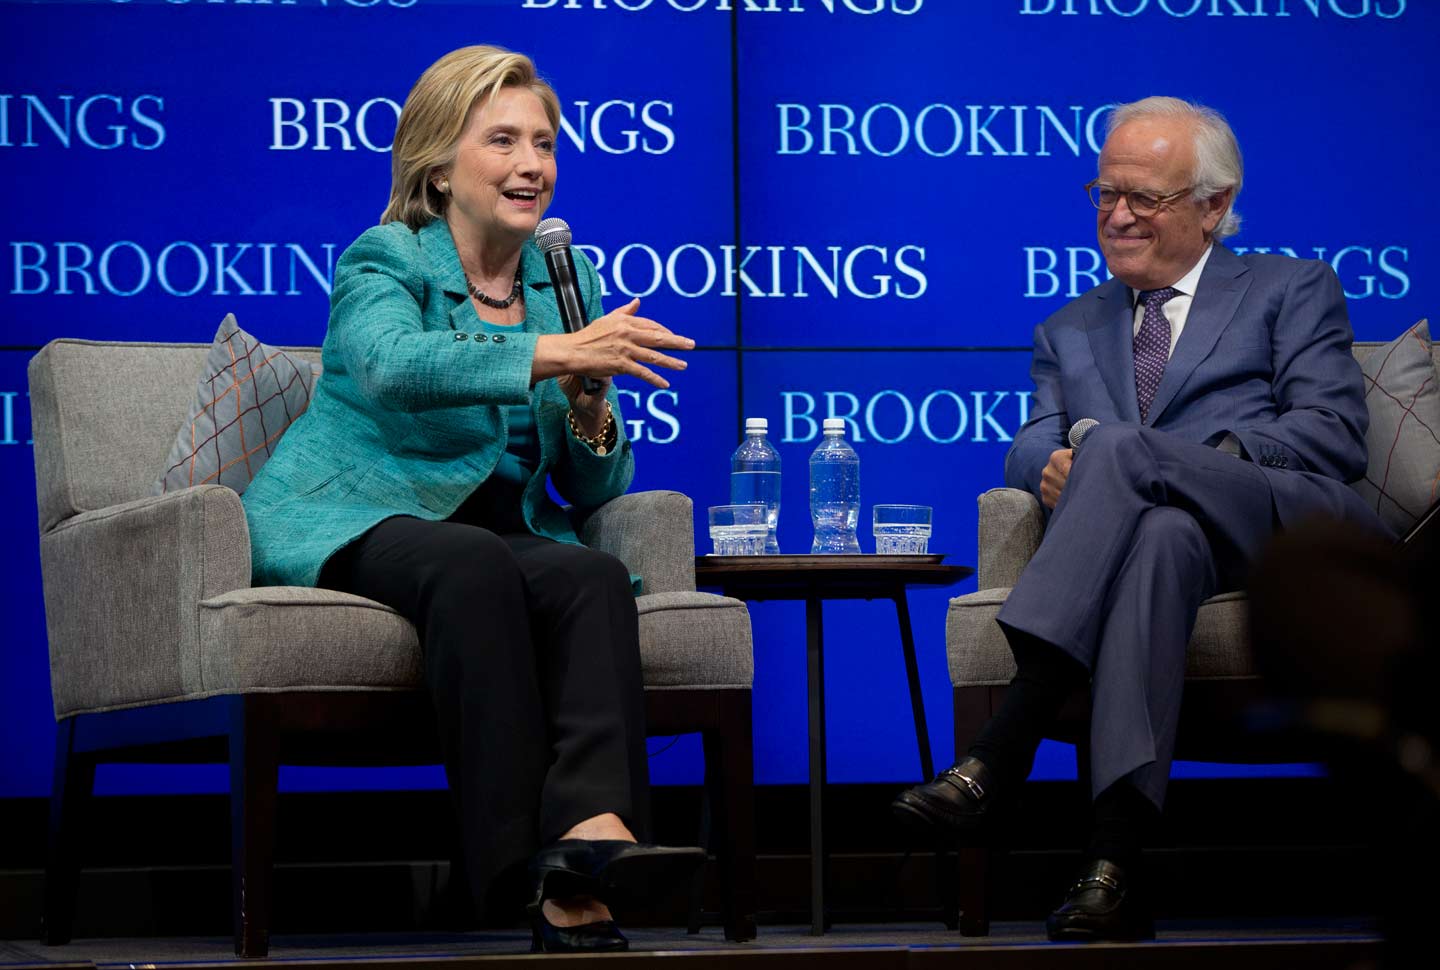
point(816, 579)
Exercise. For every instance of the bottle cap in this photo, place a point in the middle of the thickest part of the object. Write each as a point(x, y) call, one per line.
point(757, 424)
point(834, 424)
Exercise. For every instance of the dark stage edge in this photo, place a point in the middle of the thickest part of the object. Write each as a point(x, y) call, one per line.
point(1268, 944)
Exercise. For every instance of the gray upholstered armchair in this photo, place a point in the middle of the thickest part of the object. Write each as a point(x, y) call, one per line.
point(1221, 678)
point(160, 649)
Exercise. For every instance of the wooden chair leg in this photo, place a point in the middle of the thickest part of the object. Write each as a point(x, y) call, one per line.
point(947, 888)
point(966, 888)
point(975, 884)
point(729, 783)
point(697, 882)
point(254, 776)
point(71, 789)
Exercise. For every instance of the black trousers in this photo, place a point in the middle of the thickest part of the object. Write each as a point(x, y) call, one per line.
point(532, 658)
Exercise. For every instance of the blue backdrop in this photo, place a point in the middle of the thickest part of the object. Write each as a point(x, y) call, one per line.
point(856, 207)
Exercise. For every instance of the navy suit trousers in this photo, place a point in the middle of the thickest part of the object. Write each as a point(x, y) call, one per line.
point(1148, 525)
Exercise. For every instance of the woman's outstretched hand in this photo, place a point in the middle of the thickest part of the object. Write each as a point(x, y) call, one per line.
point(620, 342)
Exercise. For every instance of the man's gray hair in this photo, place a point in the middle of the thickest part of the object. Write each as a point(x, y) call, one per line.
point(1218, 165)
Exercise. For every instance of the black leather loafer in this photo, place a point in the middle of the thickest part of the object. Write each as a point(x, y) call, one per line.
point(611, 870)
point(955, 803)
point(601, 936)
point(1103, 904)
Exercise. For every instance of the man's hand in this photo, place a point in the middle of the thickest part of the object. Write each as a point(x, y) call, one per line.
point(1052, 479)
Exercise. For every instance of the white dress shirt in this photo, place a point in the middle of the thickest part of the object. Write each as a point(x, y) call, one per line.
point(1177, 311)
point(1177, 308)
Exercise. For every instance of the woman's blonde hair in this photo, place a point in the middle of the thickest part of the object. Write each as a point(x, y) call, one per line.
point(434, 117)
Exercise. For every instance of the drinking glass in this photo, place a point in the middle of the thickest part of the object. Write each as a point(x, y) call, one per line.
point(901, 529)
point(739, 530)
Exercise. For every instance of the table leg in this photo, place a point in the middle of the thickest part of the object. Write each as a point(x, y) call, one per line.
point(912, 673)
point(815, 655)
point(944, 876)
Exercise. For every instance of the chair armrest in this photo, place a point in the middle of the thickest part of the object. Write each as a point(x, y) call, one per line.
point(1011, 525)
point(650, 532)
point(123, 587)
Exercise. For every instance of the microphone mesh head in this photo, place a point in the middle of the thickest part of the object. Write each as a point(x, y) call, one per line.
point(552, 234)
point(1080, 429)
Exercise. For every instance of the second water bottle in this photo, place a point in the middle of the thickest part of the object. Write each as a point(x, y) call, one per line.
point(835, 492)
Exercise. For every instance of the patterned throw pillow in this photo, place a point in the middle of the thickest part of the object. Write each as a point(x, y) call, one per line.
point(248, 394)
point(1403, 479)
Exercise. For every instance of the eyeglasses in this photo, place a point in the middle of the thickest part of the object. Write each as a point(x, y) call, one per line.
point(1105, 198)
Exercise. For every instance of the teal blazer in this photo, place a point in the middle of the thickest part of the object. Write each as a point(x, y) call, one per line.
point(409, 415)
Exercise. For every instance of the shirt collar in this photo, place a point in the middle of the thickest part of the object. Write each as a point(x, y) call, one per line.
point(1185, 285)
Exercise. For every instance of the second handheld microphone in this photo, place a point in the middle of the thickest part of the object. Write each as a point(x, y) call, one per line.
point(1079, 431)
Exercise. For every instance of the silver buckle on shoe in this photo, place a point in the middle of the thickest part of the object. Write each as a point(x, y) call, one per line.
point(1099, 878)
point(976, 789)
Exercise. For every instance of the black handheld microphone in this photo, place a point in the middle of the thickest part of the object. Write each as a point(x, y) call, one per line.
point(553, 238)
point(1079, 431)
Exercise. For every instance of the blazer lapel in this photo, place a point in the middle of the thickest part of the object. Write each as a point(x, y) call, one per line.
point(1110, 325)
point(444, 261)
point(542, 314)
point(444, 271)
point(1222, 285)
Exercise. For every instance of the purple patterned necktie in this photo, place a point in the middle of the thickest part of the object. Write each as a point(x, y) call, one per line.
point(1152, 347)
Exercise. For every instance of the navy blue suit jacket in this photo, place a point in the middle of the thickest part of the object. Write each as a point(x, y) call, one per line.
point(1264, 355)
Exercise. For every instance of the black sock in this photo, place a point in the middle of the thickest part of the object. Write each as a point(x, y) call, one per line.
point(1045, 677)
point(1125, 821)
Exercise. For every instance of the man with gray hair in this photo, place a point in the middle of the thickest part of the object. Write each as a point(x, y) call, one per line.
point(1228, 405)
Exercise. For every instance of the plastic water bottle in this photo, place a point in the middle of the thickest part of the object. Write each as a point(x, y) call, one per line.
point(835, 491)
point(755, 476)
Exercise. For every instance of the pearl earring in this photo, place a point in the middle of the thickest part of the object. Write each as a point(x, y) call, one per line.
point(444, 186)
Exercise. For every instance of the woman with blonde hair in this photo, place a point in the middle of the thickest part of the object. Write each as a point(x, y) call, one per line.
point(417, 478)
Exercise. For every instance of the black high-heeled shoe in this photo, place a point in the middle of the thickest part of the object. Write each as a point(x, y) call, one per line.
point(600, 936)
point(610, 869)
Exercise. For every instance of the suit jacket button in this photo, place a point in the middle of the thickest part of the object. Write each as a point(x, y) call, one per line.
point(499, 338)
point(461, 335)
point(480, 338)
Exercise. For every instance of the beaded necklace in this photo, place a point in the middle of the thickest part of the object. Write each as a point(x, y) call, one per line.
point(491, 301)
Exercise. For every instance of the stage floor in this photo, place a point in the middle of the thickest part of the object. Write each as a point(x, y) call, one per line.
point(1228, 945)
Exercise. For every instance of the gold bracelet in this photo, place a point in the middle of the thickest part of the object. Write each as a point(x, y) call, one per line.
point(600, 443)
